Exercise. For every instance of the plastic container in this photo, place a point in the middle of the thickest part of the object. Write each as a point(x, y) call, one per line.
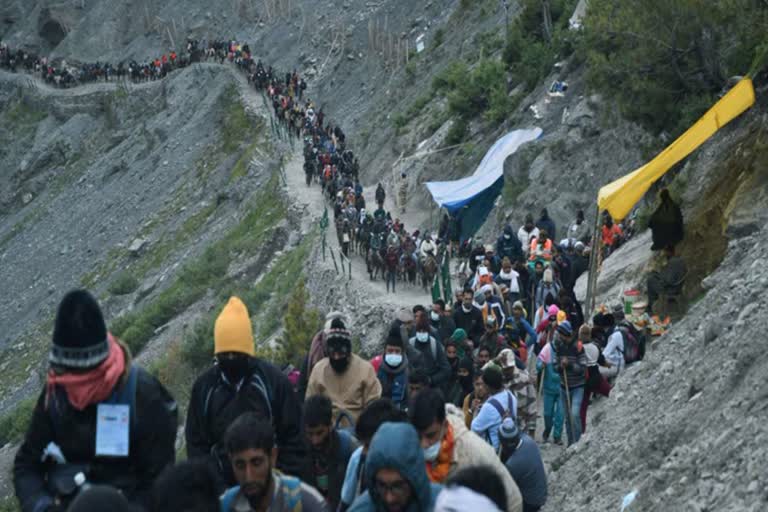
point(630, 297)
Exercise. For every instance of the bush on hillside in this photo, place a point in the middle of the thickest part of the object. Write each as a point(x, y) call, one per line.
point(664, 62)
point(124, 284)
point(301, 322)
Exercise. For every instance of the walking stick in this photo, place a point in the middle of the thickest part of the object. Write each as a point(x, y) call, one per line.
point(568, 401)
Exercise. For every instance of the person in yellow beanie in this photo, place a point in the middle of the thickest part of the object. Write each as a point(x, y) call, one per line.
point(239, 383)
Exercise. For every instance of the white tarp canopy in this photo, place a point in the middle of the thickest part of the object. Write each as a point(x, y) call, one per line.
point(453, 195)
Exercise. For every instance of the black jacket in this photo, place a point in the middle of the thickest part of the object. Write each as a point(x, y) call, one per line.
point(152, 443)
point(215, 404)
point(471, 322)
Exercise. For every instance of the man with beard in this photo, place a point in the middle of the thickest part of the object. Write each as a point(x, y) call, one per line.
point(347, 379)
point(237, 383)
point(329, 450)
point(261, 487)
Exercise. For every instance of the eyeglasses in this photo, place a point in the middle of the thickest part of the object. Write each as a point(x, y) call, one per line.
point(399, 489)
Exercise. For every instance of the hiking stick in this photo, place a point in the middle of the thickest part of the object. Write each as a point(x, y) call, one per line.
point(568, 401)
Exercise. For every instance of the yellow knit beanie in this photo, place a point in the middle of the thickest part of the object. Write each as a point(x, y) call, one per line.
point(233, 331)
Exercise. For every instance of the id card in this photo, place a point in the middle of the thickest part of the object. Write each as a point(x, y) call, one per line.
point(112, 430)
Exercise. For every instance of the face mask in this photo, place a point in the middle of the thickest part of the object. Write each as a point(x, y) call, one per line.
point(422, 336)
point(466, 308)
point(393, 360)
point(507, 237)
point(234, 369)
point(431, 453)
point(339, 365)
point(435, 317)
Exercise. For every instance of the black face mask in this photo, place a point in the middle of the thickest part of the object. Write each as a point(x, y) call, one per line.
point(235, 368)
point(466, 383)
point(339, 365)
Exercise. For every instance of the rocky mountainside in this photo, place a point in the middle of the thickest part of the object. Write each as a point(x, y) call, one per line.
point(166, 197)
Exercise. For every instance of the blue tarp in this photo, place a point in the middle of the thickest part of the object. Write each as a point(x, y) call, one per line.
point(454, 195)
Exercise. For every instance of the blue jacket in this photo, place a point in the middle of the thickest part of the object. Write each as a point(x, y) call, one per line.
point(396, 446)
point(551, 378)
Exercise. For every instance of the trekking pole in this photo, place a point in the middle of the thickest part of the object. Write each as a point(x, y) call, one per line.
point(568, 401)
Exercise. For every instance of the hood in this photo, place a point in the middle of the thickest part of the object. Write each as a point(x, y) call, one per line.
point(508, 230)
point(396, 446)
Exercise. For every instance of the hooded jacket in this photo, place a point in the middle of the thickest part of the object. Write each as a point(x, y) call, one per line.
point(151, 442)
point(471, 450)
point(215, 404)
point(509, 247)
point(396, 446)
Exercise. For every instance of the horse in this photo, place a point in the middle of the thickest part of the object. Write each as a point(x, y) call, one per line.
point(375, 264)
point(428, 271)
point(408, 269)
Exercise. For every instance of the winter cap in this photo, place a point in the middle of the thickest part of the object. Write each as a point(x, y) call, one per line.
point(548, 278)
point(553, 310)
point(457, 497)
point(506, 358)
point(405, 315)
point(508, 429)
point(338, 338)
point(459, 335)
point(518, 305)
point(394, 339)
point(233, 331)
point(480, 297)
point(618, 312)
point(561, 316)
point(492, 375)
point(579, 246)
point(565, 328)
point(486, 288)
point(332, 316)
point(79, 334)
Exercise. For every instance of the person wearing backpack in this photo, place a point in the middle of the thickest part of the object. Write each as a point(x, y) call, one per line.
point(93, 388)
point(237, 383)
point(329, 450)
point(501, 403)
point(261, 487)
point(426, 354)
point(450, 447)
point(573, 372)
point(614, 350)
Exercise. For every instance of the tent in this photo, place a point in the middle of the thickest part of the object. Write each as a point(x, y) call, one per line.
point(471, 198)
point(621, 196)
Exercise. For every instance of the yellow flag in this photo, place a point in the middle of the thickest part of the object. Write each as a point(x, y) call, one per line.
point(621, 196)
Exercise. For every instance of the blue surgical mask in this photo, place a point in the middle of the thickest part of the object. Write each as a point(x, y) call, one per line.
point(422, 336)
point(435, 317)
point(431, 453)
point(393, 360)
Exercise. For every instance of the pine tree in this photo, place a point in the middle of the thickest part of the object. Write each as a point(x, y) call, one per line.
point(301, 322)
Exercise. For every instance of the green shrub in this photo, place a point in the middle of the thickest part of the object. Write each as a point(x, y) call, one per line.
point(13, 426)
point(458, 131)
point(124, 284)
point(450, 77)
point(438, 38)
point(301, 322)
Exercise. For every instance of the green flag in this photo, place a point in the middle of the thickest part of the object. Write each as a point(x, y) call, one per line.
point(446, 275)
point(436, 289)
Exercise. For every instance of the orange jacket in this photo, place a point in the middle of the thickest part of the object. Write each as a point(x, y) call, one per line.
point(546, 250)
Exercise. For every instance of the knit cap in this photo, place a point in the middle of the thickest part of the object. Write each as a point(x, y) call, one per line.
point(459, 335)
point(338, 338)
point(565, 328)
point(233, 331)
point(79, 334)
point(508, 429)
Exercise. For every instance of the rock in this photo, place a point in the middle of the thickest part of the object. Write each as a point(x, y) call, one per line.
point(147, 287)
point(26, 198)
point(137, 246)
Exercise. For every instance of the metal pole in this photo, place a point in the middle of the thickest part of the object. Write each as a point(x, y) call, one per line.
point(593, 259)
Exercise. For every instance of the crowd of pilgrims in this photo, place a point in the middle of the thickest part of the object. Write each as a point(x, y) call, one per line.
point(444, 416)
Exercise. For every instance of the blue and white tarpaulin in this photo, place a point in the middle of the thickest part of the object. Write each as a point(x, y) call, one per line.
point(454, 195)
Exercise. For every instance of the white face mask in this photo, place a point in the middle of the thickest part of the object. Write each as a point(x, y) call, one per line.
point(466, 308)
point(393, 360)
point(431, 453)
point(507, 237)
point(435, 317)
point(422, 336)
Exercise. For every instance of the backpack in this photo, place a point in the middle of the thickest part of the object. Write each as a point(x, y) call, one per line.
point(504, 413)
point(634, 348)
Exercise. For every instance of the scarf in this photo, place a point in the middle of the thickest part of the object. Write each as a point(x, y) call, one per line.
point(316, 350)
point(93, 386)
point(438, 471)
